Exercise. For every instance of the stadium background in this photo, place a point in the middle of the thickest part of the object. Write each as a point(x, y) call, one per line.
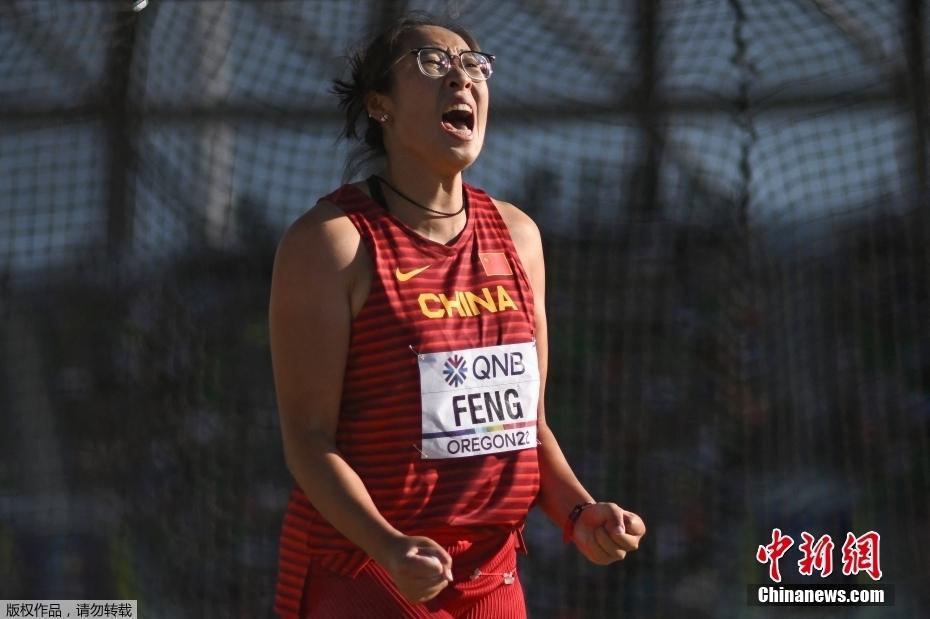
point(733, 199)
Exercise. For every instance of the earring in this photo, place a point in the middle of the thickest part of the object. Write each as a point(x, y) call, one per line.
point(383, 118)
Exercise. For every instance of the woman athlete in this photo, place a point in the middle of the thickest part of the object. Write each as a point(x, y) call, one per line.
point(408, 338)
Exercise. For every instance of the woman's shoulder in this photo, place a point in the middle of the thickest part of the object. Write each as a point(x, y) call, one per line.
point(322, 234)
point(329, 215)
point(523, 229)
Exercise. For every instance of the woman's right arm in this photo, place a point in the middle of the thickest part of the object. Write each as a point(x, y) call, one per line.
point(318, 262)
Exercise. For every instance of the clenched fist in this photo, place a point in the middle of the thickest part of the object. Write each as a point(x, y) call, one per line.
point(419, 567)
point(605, 532)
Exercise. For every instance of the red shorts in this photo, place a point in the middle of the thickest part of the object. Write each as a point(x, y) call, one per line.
point(372, 593)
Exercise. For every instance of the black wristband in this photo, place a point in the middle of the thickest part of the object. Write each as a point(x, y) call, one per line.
point(569, 529)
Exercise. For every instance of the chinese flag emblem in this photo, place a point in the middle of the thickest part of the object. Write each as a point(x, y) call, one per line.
point(495, 263)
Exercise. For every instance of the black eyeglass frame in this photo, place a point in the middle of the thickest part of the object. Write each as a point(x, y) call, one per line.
point(416, 51)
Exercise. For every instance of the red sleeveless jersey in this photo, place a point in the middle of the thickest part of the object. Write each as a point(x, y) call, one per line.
point(439, 320)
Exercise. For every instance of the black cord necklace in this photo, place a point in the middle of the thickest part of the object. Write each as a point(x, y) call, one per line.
point(415, 203)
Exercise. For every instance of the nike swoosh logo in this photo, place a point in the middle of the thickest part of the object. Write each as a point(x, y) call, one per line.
point(402, 277)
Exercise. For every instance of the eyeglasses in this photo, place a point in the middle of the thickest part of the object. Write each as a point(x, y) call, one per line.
point(436, 62)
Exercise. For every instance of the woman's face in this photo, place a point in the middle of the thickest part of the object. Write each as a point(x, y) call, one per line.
point(417, 105)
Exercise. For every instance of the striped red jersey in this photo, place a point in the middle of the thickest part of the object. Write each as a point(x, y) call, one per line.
point(438, 413)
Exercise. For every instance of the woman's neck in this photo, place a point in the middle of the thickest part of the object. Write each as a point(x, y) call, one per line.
point(428, 189)
point(425, 187)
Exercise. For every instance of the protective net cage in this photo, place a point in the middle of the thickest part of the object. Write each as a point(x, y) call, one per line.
point(733, 202)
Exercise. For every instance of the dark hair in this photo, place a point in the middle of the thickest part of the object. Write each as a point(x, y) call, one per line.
point(369, 72)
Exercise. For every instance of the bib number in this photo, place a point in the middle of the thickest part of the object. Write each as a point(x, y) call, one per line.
point(479, 400)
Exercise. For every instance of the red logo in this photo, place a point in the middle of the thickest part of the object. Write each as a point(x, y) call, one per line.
point(771, 553)
point(860, 554)
point(817, 556)
point(495, 263)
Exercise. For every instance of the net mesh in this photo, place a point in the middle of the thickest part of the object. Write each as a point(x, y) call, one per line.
point(733, 202)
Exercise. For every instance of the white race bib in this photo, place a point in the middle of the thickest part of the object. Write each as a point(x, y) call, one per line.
point(479, 400)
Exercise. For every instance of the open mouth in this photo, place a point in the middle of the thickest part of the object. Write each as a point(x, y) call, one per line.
point(459, 121)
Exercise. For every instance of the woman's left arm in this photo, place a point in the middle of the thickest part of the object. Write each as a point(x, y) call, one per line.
point(604, 532)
